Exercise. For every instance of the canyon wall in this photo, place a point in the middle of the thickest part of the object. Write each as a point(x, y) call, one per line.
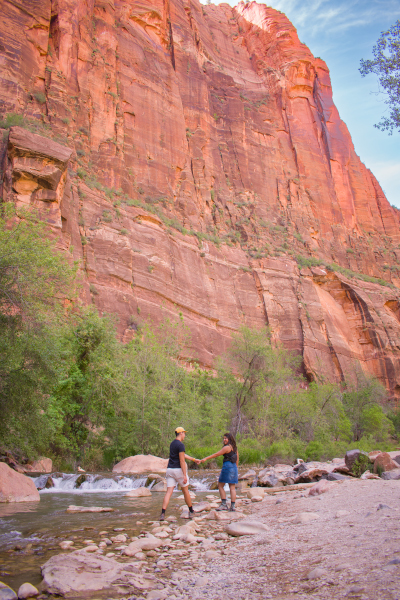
point(192, 158)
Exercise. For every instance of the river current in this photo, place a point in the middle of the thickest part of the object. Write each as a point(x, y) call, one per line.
point(30, 532)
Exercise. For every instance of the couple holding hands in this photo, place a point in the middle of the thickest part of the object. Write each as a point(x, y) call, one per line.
point(177, 471)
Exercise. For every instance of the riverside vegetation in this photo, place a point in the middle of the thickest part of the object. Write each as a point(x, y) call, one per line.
point(70, 390)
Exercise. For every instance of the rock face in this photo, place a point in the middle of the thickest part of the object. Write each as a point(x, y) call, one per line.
point(15, 487)
point(201, 150)
point(141, 464)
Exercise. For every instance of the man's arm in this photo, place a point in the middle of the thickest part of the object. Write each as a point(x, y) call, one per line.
point(196, 460)
point(183, 466)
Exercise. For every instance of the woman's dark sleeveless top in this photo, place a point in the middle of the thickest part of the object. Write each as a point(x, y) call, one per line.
point(230, 457)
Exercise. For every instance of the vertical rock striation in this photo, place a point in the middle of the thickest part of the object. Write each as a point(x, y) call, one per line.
point(195, 152)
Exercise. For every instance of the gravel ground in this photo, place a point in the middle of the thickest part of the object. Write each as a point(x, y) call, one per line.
point(354, 553)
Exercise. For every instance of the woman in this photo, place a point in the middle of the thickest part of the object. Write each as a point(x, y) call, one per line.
point(229, 472)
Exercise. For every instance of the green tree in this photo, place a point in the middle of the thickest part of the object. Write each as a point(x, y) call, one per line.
point(83, 399)
point(386, 65)
point(361, 402)
point(252, 372)
point(33, 279)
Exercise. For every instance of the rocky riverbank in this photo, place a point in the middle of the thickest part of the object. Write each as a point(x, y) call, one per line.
point(340, 543)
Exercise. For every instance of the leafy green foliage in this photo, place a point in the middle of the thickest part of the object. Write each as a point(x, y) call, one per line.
point(386, 65)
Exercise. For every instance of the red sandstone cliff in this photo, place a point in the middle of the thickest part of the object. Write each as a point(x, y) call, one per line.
point(219, 121)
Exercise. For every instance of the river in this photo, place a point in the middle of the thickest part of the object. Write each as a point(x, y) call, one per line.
point(30, 532)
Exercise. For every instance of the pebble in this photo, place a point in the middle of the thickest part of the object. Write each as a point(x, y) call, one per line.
point(91, 548)
point(306, 517)
point(316, 573)
point(341, 513)
point(384, 506)
point(66, 544)
point(355, 589)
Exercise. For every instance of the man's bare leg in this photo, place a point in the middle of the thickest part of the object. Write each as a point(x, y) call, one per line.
point(165, 503)
point(186, 495)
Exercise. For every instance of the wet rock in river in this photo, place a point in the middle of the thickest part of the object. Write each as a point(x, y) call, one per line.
point(81, 479)
point(6, 593)
point(88, 509)
point(139, 492)
point(27, 590)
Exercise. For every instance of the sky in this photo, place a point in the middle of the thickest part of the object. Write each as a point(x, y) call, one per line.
point(342, 32)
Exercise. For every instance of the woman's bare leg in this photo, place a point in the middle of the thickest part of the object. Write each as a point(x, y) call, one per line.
point(232, 488)
point(221, 490)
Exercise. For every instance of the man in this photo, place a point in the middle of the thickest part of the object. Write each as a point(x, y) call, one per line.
point(177, 472)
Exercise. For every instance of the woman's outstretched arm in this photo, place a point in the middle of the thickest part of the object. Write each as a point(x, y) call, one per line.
point(223, 450)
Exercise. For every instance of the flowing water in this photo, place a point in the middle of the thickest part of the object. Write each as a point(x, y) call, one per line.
point(31, 531)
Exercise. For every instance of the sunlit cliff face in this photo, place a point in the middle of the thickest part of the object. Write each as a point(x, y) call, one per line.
point(201, 153)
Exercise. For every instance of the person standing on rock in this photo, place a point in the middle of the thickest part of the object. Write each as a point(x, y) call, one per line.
point(177, 472)
point(229, 472)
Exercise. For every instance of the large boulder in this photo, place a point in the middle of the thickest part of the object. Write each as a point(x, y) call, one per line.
point(357, 457)
point(384, 462)
point(15, 487)
point(141, 463)
point(246, 528)
point(391, 475)
point(42, 465)
point(80, 574)
point(268, 480)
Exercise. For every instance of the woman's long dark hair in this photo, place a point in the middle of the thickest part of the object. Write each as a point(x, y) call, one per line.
point(231, 440)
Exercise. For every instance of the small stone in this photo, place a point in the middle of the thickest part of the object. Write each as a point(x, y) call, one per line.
point(395, 561)
point(119, 528)
point(383, 507)
point(256, 491)
point(27, 590)
point(279, 501)
point(355, 589)
point(110, 554)
point(341, 513)
point(257, 499)
point(157, 595)
point(305, 517)
point(66, 544)
point(119, 539)
point(92, 548)
point(201, 581)
point(211, 554)
point(316, 573)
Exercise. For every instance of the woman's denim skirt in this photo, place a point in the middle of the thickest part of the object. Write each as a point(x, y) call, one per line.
point(229, 473)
